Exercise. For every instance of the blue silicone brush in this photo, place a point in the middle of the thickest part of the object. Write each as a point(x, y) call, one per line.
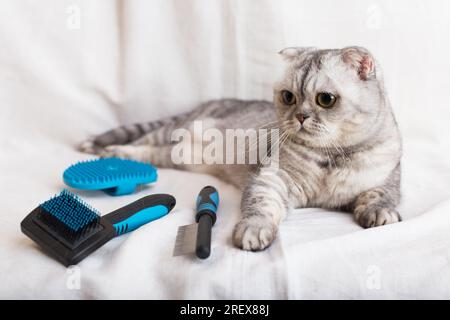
point(69, 229)
point(113, 175)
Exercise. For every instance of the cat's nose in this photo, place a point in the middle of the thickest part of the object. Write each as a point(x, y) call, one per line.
point(301, 117)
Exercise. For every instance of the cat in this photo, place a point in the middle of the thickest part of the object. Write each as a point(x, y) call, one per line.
point(341, 146)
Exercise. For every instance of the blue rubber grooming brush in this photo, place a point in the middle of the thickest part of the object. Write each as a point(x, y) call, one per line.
point(113, 175)
point(69, 229)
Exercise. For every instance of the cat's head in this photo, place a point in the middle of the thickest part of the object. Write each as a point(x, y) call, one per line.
point(329, 96)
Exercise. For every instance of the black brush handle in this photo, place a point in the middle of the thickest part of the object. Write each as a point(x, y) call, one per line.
point(203, 244)
point(207, 203)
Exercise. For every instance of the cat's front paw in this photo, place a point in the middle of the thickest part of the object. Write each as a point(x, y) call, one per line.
point(374, 216)
point(254, 233)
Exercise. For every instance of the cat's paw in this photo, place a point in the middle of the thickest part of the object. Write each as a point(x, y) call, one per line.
point(138, 153)
point(117, 151)
point(374, 216)
point(254, 233)
point(89, 146)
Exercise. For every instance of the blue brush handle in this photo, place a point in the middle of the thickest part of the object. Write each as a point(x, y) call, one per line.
point(140, 212)
point(207, 203)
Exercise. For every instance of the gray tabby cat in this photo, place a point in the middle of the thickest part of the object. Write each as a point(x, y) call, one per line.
point(341, 145)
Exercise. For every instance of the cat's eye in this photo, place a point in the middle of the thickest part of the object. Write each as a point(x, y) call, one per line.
point(325, 99)
point(288, 98)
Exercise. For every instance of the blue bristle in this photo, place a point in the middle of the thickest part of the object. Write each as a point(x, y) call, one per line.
point(70, 210)
point(108, 173)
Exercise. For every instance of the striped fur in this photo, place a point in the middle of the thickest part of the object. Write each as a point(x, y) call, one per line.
point(346, 157)
point(128, 133)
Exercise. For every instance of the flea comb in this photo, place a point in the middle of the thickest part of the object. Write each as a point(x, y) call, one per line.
point(113, 175)
point(69, 229)
point(196, 237)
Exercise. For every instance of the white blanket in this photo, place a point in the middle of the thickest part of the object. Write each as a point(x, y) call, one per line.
point(69, 69)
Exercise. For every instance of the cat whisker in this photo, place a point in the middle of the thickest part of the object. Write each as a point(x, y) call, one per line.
point(341, 151)
point(277, 144)
point(327, 146)
point(282, 127)
point(271, 124)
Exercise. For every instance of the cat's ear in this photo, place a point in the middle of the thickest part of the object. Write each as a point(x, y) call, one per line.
point(360, 60)
point(292, 53)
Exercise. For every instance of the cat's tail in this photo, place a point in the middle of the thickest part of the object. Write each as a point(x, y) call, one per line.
point(126, 134)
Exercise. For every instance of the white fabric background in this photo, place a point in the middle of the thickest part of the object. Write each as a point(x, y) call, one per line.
point(135, 60)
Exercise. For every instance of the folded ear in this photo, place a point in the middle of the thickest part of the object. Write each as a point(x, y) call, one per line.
point(360, 60)
point(292, 53)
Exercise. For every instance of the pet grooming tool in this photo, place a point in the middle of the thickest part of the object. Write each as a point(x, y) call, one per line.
point(197, 237)
point(113, 175)
point(69, 229)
